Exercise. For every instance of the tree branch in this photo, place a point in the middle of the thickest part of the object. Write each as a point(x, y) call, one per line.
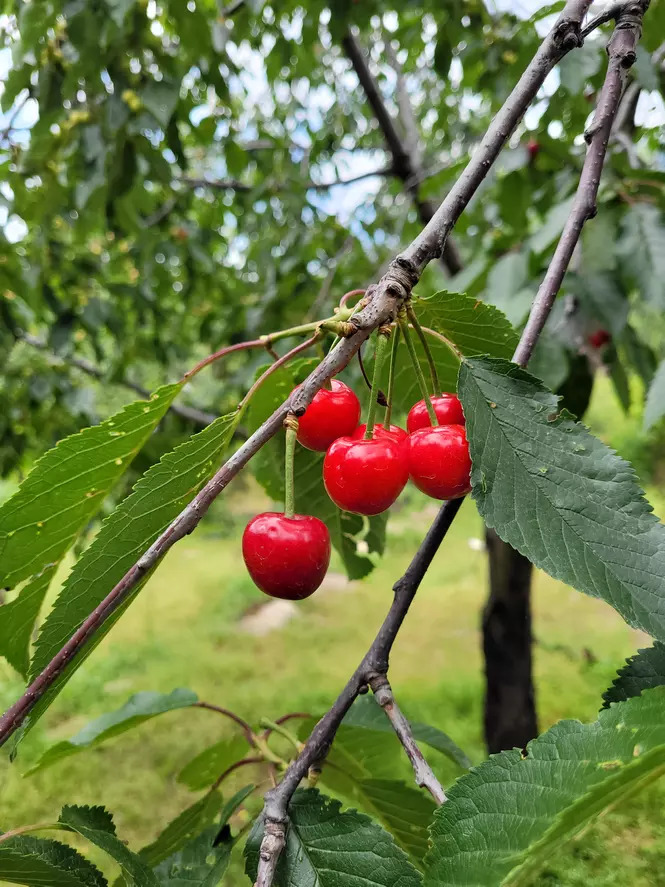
point(235, 185)
point(192, 414)
point(383, 301)
point(423, 773)
point(621, 50)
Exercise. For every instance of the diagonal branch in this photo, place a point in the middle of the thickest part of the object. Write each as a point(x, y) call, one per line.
point(383, 301)
point(422, 771)
point(192, 414)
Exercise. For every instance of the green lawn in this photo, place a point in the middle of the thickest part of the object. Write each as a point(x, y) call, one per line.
point(183, 631)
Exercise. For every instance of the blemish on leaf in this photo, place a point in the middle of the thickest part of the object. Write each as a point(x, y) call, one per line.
point(118, 461)
point(492, 406)
point(610, 765)
point(543, 469)
point(637, 751)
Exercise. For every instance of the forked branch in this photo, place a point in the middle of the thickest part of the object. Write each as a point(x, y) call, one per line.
point(382, 304)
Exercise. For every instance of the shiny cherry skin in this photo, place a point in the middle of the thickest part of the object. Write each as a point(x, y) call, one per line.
point(599, 338)
point(365, 476)
point(287, 557)
point(439, 461)
point(396, 433)
point(330, 415)
point(447, 408)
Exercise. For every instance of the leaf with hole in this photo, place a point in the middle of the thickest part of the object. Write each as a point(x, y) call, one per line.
point(505, 818)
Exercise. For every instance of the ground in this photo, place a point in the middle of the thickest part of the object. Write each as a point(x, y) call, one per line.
point(186, 630)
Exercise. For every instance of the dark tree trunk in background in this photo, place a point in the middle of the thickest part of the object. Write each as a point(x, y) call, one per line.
point(510, 712)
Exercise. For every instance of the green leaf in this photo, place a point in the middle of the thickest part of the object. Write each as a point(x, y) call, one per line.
point(642, 248)
point(68, 485)
point(160, 98)
point(643, 671)
point(367, 713)
point(508, 276)
point(472, 326)
point(654, 409)
point(182, 829)
point(157, 499)
point(45, 863)
point(204, 769)
point(138, 708)
point(17, 619)
point(96, 825)
point(552, 226)
point(505, 818)
point(560, 496)
point(191, 822)
point(403, 810)
point(328, 848)
point(358, 540)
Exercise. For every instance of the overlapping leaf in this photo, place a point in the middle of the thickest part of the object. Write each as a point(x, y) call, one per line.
point(328, 848)
point(506, 817)
point(157, 499)
point(61, 494)
point(560, 496)
point(368, 714)
point(138, 708)
point(643, 671)
point(182, 829)
point(39, 862)
point(95, 824)
point(473, 327)
point(204, 769)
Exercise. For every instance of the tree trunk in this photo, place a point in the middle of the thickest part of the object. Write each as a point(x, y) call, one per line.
point(510, 712)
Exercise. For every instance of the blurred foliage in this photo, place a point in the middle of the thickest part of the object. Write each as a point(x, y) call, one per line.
point(116, 251)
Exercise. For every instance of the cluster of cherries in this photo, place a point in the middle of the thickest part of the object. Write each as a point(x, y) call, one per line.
point(288, 556)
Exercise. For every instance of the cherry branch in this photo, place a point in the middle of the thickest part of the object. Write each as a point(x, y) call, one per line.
point(424, 775)
point(621, 51)
point(383, 302)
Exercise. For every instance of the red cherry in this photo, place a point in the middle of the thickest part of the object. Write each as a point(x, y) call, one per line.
point(365, 476)
point(287, 557)
point(330, 415)
point(599, 338)
point(533, 147)
point(394, 432)
point(447, 408)
point(439, 462)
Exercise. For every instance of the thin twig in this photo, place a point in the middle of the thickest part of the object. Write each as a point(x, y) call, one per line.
point(303, 346)
point(621, 51)
point(236, 185)
point(193, 414)
point(254, 759)
point(246, 729)
point(424, 775)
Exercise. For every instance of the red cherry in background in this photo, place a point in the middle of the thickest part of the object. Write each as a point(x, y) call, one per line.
point(330, 415)
point(439, 461)
point(287, 557)
point(533, 147)
point(599, 338)
point(447, 408)
point(365, 476)
point(396, 433)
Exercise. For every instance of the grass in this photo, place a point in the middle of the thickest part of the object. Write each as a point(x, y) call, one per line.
point(183, 631)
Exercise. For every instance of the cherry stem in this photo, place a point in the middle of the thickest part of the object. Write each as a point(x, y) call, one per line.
point(415, 323)
point(382, 337)
point(291, 425)
point(274, 727)
point(391, 376)
point(404, 327)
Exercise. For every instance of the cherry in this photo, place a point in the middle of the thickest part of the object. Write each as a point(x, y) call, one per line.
point(287, 557)
point(394, 432)
point(365, 476)
point(533, 147)
point(447, 408)
point(599, 338)
point(330, 415)
point(439, 462)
